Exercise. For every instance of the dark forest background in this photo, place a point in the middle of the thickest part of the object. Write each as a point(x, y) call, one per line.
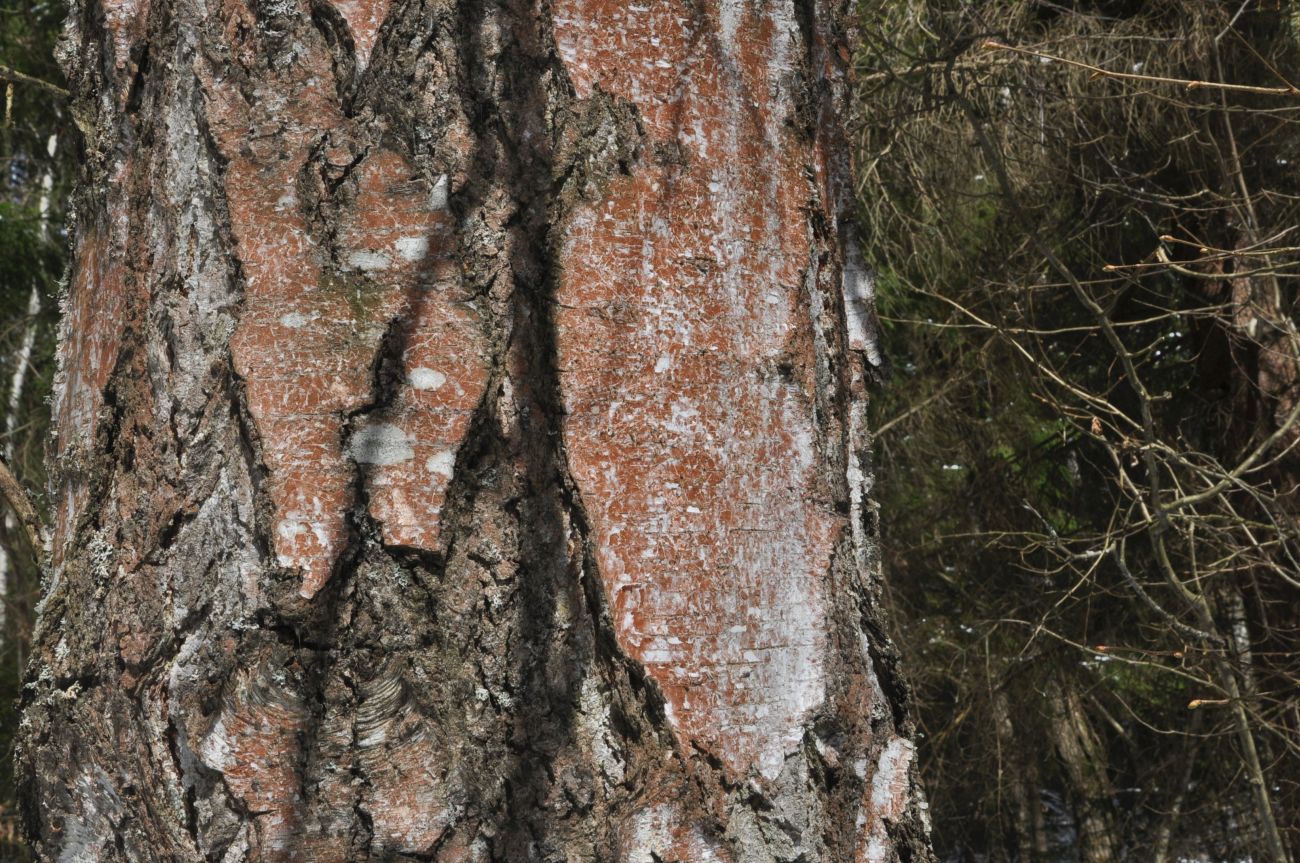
point(1083, 221)
point(37, 158)
point(1082, 217)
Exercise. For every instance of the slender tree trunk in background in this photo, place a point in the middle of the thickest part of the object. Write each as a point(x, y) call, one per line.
point(460, 443)
point(1040, 849)
point(1022, 777)
point(1165, 833)
point(1265, 391)
point(17, 383)
point(17, 630)
point(1085, 764)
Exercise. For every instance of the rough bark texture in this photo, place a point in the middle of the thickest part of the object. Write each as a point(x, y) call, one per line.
point(461, 448)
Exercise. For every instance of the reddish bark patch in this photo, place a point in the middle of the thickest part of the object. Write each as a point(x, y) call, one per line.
point(401, 230)
point(305, 359)
point(312, 323)
point(93, 334)
point(124, 22)
point(89, 345)
point(690, 434)
point(406, 771)
point(254, 744)
point(303, 355)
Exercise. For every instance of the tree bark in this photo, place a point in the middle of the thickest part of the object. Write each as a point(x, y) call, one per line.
point(1085, 768)
point(1021, 775)
point(461, 448)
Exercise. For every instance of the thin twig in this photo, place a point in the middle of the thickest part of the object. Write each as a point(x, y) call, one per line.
point(918, 407)
point(17, 498)
point(8, 74)
point(1189, 83)
point(1178, 625)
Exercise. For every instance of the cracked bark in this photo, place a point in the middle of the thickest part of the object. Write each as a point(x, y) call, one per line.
point(461, 451)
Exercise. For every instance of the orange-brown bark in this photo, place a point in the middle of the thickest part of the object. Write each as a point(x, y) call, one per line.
point(691, 427)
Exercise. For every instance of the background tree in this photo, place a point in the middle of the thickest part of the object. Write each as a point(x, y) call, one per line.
point(34, 159)
point(460, 443)
point(1083, 244)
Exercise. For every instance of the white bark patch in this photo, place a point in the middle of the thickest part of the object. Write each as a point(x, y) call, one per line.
point(660, 834)
point(889, 794)
point(413, 249)
point(381, 444)
point(729, 12)
point(290, 528)
point(889, 785)
point(443, 464)
point(368, 261)
point(95, 817)
point(859, 289)
point(297, 320)
point(426, 379)
point(383, 701)
point(594, 721)
point(438, 198)
point(215, 751)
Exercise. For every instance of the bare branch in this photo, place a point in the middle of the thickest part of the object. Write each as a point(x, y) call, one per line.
point(1190, 84)
point(8, 74)
point(16, 496)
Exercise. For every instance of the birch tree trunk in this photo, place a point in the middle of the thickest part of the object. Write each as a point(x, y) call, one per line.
point(461, 449)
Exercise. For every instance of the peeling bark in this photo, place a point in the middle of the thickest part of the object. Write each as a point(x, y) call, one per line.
point(461, 447)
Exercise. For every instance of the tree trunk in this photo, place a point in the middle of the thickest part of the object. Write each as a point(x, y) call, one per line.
point(461, 451)
point(1020, 776)
point(1084, 761)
